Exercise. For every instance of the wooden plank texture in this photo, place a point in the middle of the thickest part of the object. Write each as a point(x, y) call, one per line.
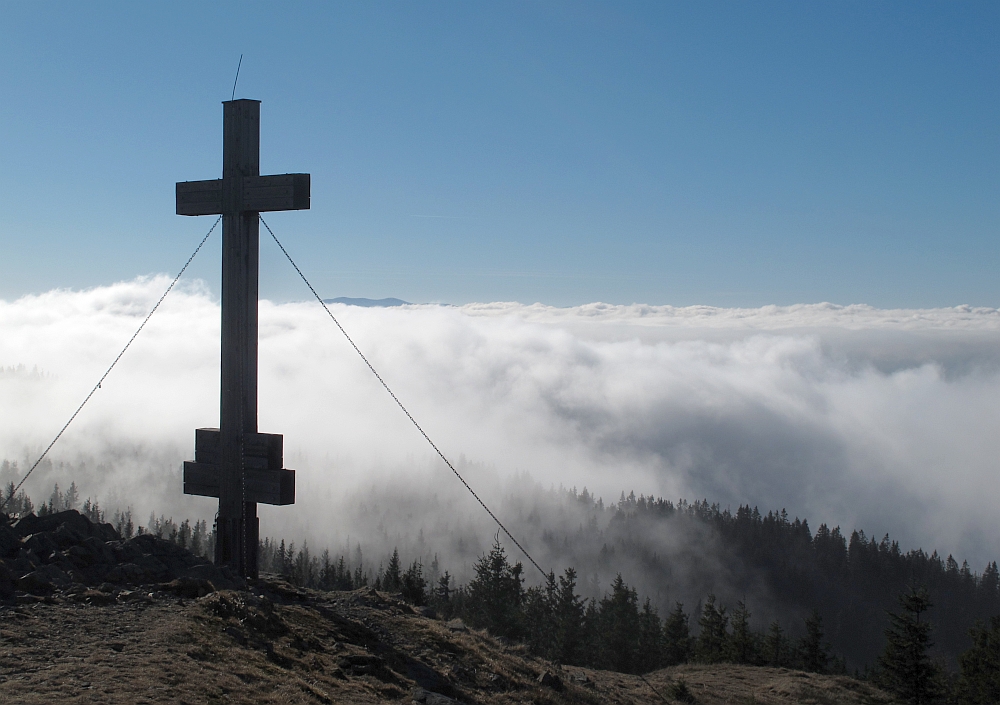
point(199, 197)
point(279, 192)
point(262, 486)
point(260, 450)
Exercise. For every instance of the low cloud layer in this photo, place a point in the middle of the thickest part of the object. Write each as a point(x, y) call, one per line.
point(882, 420)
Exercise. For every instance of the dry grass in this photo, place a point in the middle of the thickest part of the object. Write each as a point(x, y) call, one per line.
point(308, 647)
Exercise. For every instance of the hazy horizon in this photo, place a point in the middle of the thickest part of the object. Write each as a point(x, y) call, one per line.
point(849, 415)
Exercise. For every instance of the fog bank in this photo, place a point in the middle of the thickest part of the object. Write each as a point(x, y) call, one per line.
point(882, 420)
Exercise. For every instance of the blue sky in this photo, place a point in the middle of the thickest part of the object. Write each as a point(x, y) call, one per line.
point(733, 154)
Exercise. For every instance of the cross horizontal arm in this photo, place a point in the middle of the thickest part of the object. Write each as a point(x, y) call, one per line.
point(199, 197)
point(279, 192)
point(260, 485)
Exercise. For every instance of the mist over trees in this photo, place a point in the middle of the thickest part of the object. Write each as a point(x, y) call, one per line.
point(645, 582)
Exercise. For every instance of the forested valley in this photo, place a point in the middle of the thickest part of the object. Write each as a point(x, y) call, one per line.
point(775, 592)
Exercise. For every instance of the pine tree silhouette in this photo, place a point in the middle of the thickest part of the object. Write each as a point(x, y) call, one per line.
point(906, 669)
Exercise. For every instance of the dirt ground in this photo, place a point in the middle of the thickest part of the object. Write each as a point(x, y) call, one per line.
point(277, 644)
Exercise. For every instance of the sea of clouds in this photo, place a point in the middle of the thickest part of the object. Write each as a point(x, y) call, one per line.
point(885, 420)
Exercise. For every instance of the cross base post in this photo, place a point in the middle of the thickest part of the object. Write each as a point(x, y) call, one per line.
point(236, 541)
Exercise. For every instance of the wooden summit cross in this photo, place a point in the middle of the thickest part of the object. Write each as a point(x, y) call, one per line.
point(234, 462)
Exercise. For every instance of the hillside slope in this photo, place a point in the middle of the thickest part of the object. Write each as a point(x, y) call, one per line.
point(274, 643)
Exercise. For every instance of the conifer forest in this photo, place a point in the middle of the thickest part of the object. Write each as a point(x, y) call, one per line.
point(924, 627)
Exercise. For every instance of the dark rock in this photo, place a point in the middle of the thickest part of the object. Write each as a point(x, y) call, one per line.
point(41, 543)
point(153, 569)
point(43, 581)
point(427, 697)
point(550, 680)
point(457, 625)
point(32, 524)
point(24, 563)
point(79, 556)
point(93, 597)
point(6, 582)
point(54, 550)
point(238, 635)
point(105, 532)
point(151, 545)
point(207, 571)
point(10, 541)
point(63, 566)
point(96, 597)
point(188, 587)
point(101, 551)
point(127, 573)
point(65, 535)
point(360, 664)
point(95, 574)
point(125, 551)
point(426, 611)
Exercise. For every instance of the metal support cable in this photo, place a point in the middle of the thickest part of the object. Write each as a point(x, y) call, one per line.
point(400, 404)
point(3, 502)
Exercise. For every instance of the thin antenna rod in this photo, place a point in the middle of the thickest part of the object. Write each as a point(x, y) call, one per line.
point(237, 77)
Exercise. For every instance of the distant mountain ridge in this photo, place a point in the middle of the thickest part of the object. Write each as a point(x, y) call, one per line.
point(367, 303)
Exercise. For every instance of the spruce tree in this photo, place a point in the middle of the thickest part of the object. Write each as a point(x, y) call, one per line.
point(619, 633)
point(776, 647)
point(540, 618)
point(814, 655)
point(327, 577)
point(649, 656)
point(743, 643)
point(392, 578)
point(496, 594)
point(906, 669)
point(979, 682)
point(413, 585)
point(569, 611)
point(442, 593)
point(676, 637)
point(710, 646)
point(591, 635)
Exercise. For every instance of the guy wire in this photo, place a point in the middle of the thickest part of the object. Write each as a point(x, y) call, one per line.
point(237, 77)
point(399, 403)
point(3, 502)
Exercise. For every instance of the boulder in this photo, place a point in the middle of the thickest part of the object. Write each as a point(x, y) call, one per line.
point(66, 535)
point(427, 697)
point(44, 580)
point(32, 524)
point(105, 532)
point(100, 550)
point(209, 573)
point(124, 573)
point(550, 680)
point(188, 587)
point(10, 541)
point(360, 664)
point(6, 582)
point(50, 552)
point(153, 568)
point(41, 543)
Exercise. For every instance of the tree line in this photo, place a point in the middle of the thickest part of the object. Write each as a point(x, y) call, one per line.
point(924, 620)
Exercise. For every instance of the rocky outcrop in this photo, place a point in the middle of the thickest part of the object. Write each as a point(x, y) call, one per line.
point(65, 552)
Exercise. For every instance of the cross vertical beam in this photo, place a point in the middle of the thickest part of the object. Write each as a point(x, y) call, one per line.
point(234, 462)
point(237, 528)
